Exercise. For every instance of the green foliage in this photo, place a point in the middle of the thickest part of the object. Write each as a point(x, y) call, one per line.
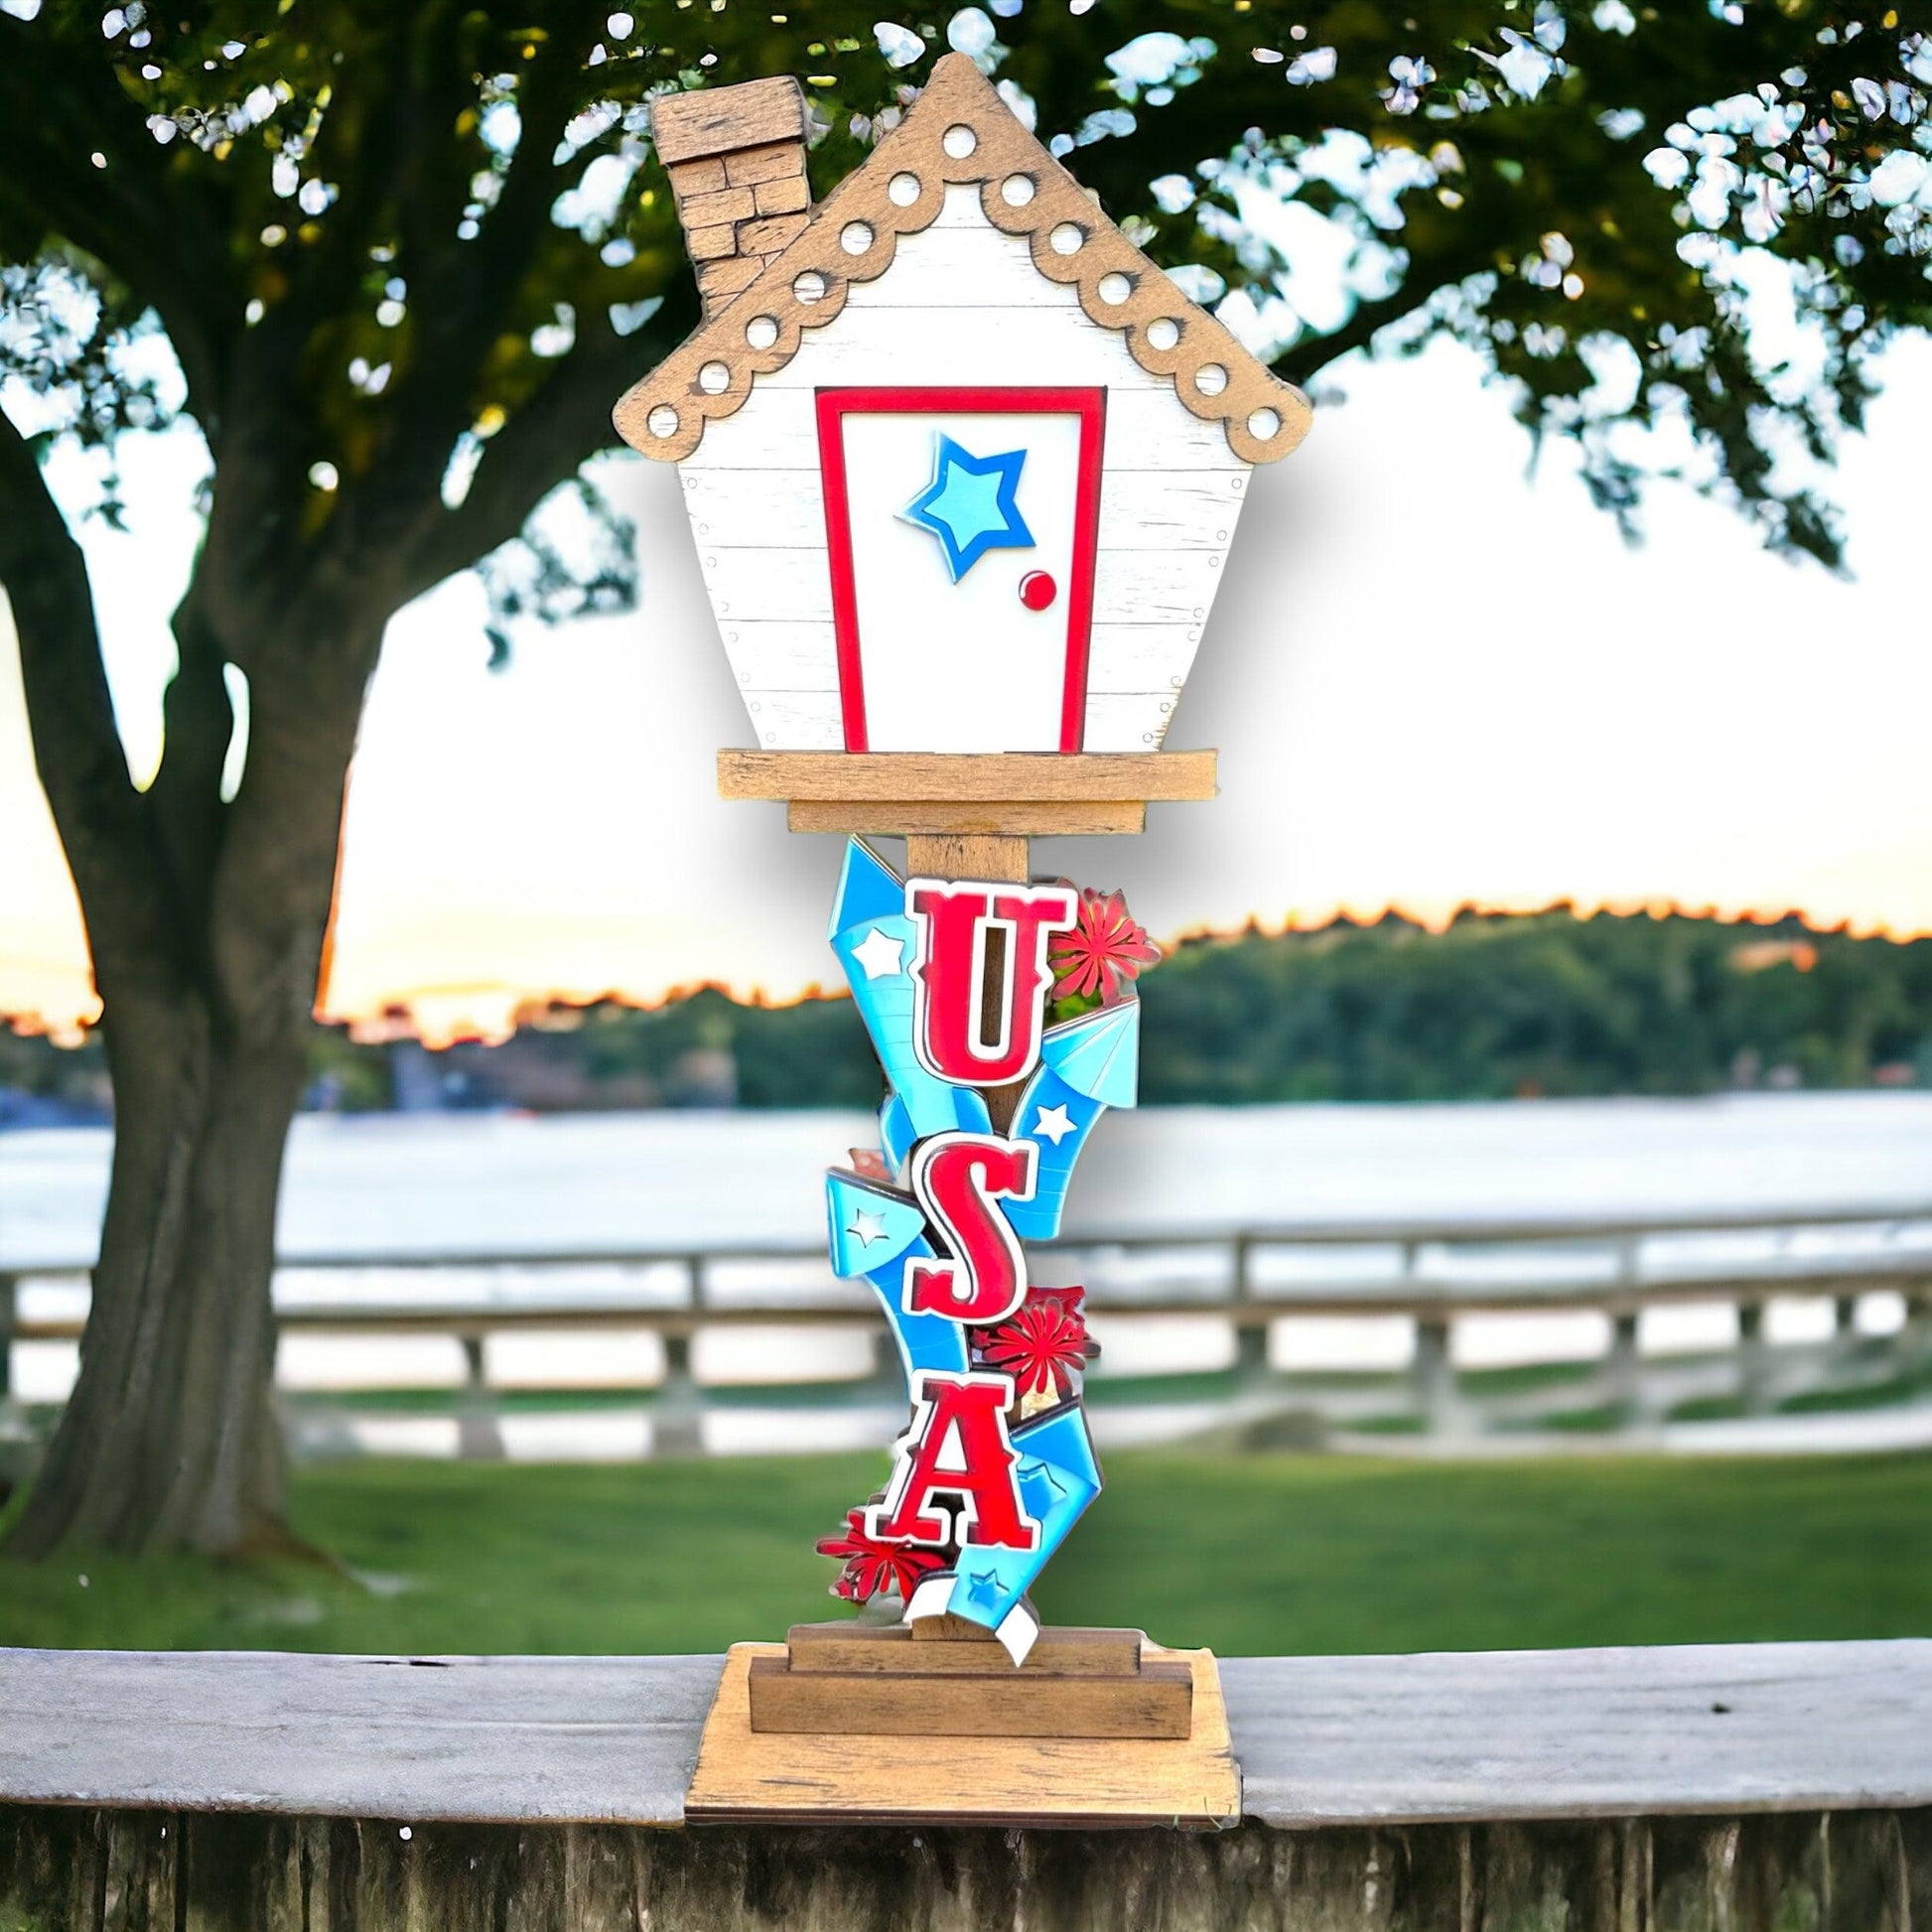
point(1542, 1004)
point(1290, 1553)
point(345, 1076)
point(1581, 193)
point(384, 236)
point(810, 1054)
point(73, 1081)
point(1494, 1006)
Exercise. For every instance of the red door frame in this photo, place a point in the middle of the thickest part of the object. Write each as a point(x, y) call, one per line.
point(834, 406)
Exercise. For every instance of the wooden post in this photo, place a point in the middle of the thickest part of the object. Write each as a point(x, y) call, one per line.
point(1754, 1360)
point(678, 1416)
point(1624, 1371)
point(1915, 1337)
point(1432, 1376)
point(966, 855)
point(1250, 1336)
point(1839, 1359)
point(479, 1437)
point(887, 1382)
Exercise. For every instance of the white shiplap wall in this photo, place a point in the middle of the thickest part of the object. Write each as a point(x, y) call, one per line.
point(962, 304)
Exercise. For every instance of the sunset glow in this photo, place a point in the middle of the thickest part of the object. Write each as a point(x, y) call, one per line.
point(1434, 682)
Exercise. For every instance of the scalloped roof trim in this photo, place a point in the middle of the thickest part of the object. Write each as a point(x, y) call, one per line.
point(959, 131)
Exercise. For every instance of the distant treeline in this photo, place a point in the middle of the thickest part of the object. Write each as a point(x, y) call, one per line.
point(1494, 1006)
point(1546, 1004)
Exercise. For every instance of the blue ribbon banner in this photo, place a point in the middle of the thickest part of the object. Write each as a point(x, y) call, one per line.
point(1058, 1477)
point(1087, 1064)
point(874, 939)
point(873, 1232)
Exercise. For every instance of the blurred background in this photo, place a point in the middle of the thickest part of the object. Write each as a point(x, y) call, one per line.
point(1526, 1234)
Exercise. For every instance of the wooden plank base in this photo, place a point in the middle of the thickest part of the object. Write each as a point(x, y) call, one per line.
point(1156, 1701)
point(946, 1677)
point(903, 1650)
point(750, 1776)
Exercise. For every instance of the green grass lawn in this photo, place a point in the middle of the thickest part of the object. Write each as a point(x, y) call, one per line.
point(1261, 1554)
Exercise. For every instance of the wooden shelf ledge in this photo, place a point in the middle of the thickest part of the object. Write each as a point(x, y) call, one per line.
point(970, 778)
point(1335, 1742)
point(1538, 1790)
point(1018, 794)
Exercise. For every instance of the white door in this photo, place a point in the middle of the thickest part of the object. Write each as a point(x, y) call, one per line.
point(967, 560)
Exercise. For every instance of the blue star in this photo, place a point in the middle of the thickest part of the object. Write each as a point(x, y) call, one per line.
point(1039, 1487)
point(983, 1588)
point(969, 505)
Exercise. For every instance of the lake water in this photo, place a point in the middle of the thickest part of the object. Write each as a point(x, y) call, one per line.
point(471, 1185)
point(489, 1183)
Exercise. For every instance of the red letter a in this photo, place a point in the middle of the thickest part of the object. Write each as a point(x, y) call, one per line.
point(957, 1446)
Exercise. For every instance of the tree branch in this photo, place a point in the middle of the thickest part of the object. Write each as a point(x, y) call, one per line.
point(102, 820)
point(198, 723)
point(464, 293)
point(541, 447)
point(1307, 358)
point(133, 217)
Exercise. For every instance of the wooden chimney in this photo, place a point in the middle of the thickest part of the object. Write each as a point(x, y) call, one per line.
point(736, 157)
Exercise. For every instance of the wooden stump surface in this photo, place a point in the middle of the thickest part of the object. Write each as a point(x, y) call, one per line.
point(1743, 1788)
point(86, 1870)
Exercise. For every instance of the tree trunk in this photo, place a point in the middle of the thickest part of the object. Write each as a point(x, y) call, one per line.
point(171, 1439)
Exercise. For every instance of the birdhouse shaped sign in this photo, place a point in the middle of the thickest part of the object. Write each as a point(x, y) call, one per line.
point(963, 468)
point(961, 463)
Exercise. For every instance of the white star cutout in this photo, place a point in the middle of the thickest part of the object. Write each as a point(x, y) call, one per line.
point(880, 957)
point(867, 1228)
point(1052, 1124)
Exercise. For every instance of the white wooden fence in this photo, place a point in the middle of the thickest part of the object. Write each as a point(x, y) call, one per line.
point(1255, 1285)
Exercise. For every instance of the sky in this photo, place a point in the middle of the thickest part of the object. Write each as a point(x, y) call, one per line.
point(1437, 678)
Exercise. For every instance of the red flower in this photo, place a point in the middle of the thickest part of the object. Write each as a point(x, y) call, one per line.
point(1039, 1345)
point(870, 1165)
point(1105, 948)
point(872, 1565)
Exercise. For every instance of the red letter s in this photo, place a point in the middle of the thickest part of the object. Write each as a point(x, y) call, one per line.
point(956, 1179)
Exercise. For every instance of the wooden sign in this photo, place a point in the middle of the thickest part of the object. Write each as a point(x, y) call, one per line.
point(996, 1464)
point(962, 465)
point(963, 469)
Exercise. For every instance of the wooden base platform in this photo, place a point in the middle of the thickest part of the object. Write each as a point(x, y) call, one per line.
point(876, 1777)
point(945, 1677)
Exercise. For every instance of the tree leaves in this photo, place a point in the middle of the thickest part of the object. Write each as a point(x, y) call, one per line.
point(367, 224)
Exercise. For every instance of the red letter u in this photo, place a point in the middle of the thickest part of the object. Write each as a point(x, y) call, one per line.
point(950, 991)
